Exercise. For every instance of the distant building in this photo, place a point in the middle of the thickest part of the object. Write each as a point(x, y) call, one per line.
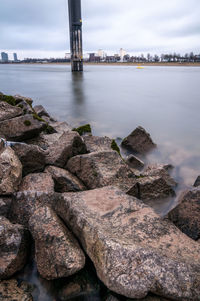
point(4, 57)
point(122, 53)
point(15, 57)
point(101, 53)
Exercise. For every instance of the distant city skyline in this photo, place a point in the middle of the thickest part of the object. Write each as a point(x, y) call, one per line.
point(154, 26)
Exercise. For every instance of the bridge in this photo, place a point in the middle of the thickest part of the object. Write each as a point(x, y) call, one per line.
point(75, 26)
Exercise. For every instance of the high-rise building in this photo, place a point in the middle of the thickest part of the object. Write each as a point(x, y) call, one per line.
point(15, 57)
point(122, 53)
point(101, 53)
point(4, 57)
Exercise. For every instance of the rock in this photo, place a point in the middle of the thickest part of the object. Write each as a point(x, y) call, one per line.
point(57, 252)
point(26, 202)
point(38, 182)
point(81, 286)
point(10, 171)
point(100, 169)
point(133, 250)
point(197, 182)
point(5, 203)
point(40, 111)
point(21, 128)
point(139, 141)
point(64, 180)
point(134, 162)
point(61, 127)
point(7, 111)
point(186, 216)
point(68, 145)
point(31, 156)
point(162, 171)
point(27, 108)
point(13, 248)
point(151, 188)
point(20, 98)
point(10, 290)
point(97, 144)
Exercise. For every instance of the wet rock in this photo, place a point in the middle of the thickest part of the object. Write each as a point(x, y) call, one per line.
point(186, 216)
point(26, 202)
point(64, 180)
point(10, 171)
point(133, 250)
point(40, 111)
point(5, 203)
point(31, 156)
point(57, 252)
point(21, 128)
point(139, 141)
point(7, 111)
point(80, 287)
point(134, 162)
point(13, 248)
point(18, 98)
point(97, 144)
point(10, 290)
point(197, 182)
point(162, 171)
point(38, 182)
point(151, 188)
point(100, 169)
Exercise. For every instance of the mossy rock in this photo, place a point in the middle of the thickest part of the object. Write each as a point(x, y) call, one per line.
point(35, 116)
point(83, 129)
point(27, 122)
point(9, 99)
point(115, 147)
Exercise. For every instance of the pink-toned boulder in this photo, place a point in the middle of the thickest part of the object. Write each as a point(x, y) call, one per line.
point(37, 182)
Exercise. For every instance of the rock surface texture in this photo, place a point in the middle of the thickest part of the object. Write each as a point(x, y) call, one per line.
point(186, 216)
point(21, 128)
point(97, 144)
point(139, 141)
point(10, 290)
point(13, 248)
point(57, 251)
point(5, 203)
point(37, 182)
point(32, 157)
point(64, 180)
point(7, 111)
point(197, 182)
point(99, 169)
point(134, 251)
point(134, 162)
point(10, 171)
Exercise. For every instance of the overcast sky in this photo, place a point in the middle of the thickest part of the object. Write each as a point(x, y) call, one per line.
point(39, 28)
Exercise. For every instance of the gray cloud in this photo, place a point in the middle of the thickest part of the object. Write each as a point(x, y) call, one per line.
point(38, 27)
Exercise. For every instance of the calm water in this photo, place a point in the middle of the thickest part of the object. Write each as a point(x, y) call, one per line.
point(116, 99)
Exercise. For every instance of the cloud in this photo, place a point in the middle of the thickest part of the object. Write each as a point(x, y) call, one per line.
point(33, 27)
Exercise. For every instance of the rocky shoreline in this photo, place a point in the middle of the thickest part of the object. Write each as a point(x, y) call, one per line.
point(71, 198)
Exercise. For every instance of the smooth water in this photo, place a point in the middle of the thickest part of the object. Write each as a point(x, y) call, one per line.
point(115, 100)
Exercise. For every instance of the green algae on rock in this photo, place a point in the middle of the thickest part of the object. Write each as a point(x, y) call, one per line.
point(83, 129)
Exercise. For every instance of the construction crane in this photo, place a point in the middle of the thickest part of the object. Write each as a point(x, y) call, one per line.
point(75, 27)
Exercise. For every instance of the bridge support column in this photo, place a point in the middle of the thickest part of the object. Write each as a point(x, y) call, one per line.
point(75, 26)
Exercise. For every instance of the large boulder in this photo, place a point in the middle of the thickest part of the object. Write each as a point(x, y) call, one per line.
point(5, 203)
point(7, 111)
point(161, 170)
point(134, 162)
point(97, 144)
point(24, 204)
point(21, 128)
point(57, 252)
point(40, 111)
point(133, 250)
point(13, 248)
point(11, 290)
point(31, 156)
point(151, 188)
point(37, 182)
point(10, 171)
point(99, 169)
point(64, 180)
point(139, 141)
point(186, 216)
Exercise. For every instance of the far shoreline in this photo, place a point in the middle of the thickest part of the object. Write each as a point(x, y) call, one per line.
point(146, 64)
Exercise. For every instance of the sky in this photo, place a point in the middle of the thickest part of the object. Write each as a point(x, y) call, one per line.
point(39, 28)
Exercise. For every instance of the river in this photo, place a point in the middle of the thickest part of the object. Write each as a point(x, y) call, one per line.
point(116, 99)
